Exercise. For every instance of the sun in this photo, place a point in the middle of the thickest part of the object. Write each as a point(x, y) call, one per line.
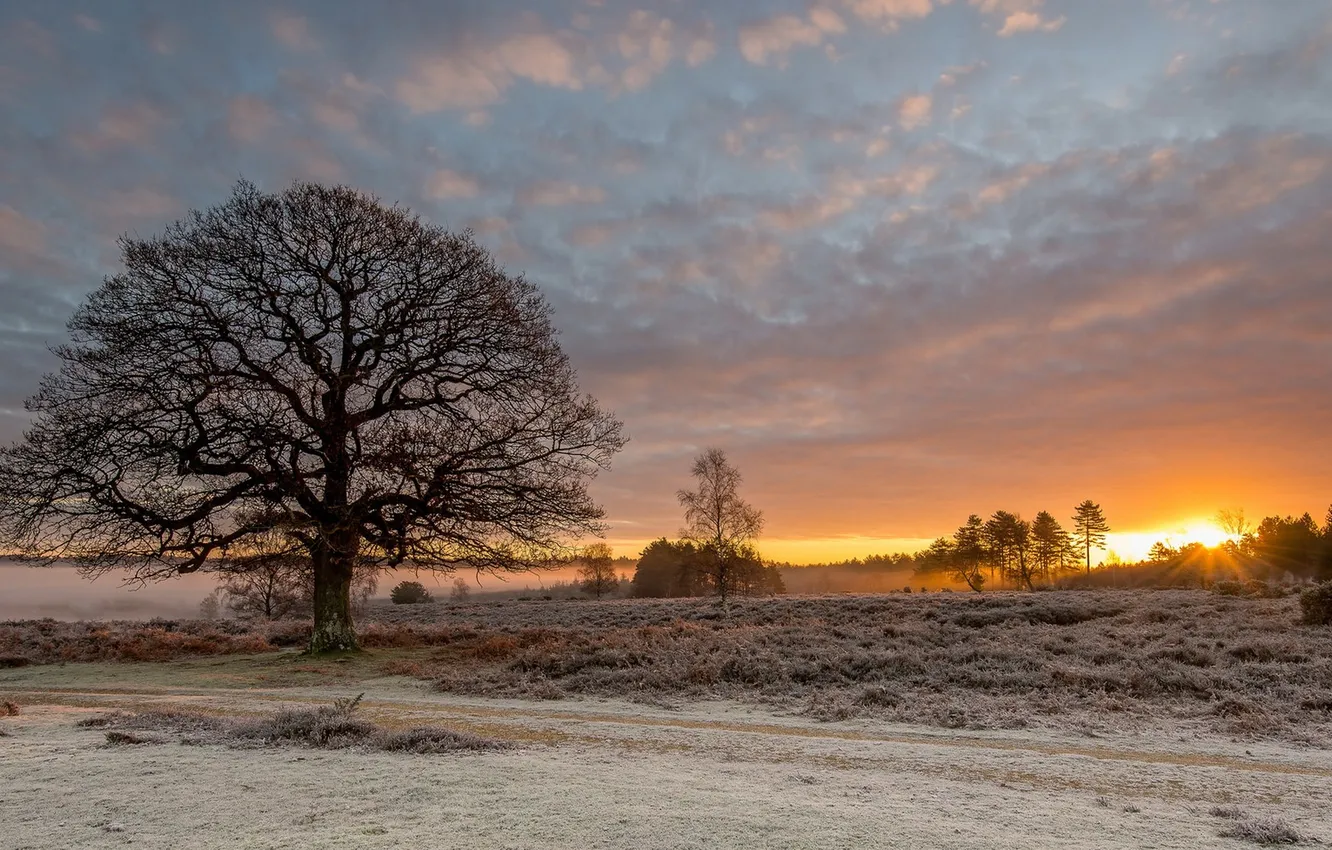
point(1205, 532)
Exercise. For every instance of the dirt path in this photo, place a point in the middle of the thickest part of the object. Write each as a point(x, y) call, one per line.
point(607, 774)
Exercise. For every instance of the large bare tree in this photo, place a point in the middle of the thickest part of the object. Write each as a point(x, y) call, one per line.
point(717, 520)
point(314, 362)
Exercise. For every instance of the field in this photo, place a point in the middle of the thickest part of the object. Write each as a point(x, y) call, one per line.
point(1063, 719)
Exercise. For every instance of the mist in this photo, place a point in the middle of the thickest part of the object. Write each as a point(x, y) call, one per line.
point(60, 593)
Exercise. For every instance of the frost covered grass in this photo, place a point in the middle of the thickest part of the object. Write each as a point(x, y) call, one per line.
point(25, 642)
point(1240, 666)
point(1243, 666)
point(331, 727)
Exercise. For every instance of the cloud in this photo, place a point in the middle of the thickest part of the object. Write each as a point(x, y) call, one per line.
point(813, 269)
point(445, 183)
point(551, 193)
point(293, 32)
point(249, 118)
point(1004, 188)
point(888, 13)
point(128, 124)
point(1020, 22)
point(20, 234)
point(476, 77)
point(776, 37)
point(915, 111)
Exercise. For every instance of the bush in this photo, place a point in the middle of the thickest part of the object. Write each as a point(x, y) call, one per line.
point(410, 593)
point(9, 709)
point(1316, 603)
point(1266, 831)
point(123, 739)
point(332, 727)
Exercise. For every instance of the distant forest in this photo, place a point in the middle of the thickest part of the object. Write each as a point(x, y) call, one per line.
point(1008, 552)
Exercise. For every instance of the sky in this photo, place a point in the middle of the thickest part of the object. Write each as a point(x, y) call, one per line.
point(903, 260)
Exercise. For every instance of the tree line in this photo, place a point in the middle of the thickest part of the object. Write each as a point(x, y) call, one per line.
point(1276, 546)
point(1011, 551)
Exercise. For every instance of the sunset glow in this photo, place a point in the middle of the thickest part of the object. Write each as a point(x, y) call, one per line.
point(903, 262)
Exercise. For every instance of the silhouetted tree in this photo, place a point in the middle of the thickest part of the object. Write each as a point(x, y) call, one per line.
point(717, 520)
point(1289, 544)
point(271, 577)
point(410, 593)
point(1008, 544)
point(1161, 553)
point(461, 590)
point(667, 569)
point(938, 557)
point(749, 576)
point(211, 606)
point(1049, 544)
point(597, 573)
point(1232, 521)
point(1326, 566)
point(1089, 528)
point(313, 361)
point(271, 590)
point(969, 553)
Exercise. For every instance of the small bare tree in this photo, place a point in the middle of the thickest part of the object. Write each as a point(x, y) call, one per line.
point(717, 520)
point(314, 362)
point(460, 590)
point(1233, 522)
point(597, 573)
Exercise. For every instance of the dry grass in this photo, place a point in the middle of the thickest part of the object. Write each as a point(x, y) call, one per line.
point(1241, 665)
point(9, 709)
point(26, 642)
point(334, 727)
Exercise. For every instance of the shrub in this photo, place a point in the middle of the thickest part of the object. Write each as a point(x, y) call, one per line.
point(1263, 831)
point(14, 661)
point(410, 593)
point(327, 727)
point(121, 739)
point(9, 709)
point(1228, 588)
point(1316, 603)
point(430, 739)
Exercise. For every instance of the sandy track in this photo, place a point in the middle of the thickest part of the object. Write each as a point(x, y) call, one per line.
point(617, 775)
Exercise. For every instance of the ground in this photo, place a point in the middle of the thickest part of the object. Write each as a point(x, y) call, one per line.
point(592, 772)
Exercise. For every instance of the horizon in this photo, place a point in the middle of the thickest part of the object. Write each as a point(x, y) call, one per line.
point(902, 261)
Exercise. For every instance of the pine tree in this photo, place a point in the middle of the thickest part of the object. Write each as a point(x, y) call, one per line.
point(1089, 528)
point(1049, 542)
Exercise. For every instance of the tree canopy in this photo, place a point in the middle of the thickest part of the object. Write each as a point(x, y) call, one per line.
point(318, 364)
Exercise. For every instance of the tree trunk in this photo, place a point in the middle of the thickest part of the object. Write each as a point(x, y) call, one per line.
point(333, 560)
